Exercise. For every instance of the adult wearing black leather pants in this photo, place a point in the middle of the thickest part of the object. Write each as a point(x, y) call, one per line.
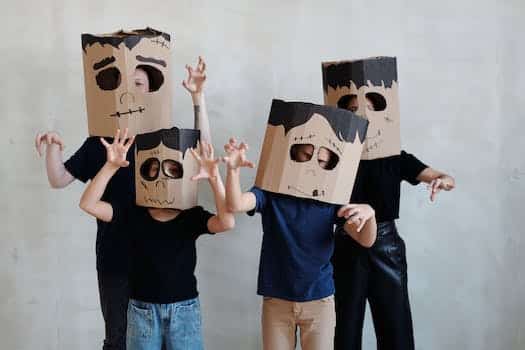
point(379, 274)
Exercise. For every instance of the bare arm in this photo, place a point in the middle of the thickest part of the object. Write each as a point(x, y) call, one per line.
point(224, 219)
point(201, 120)
point(437, 181)
point(91, 200)
point(57, 174)
point(235, 158)
point(361, 223)
point(236, 200)
point(195, 86)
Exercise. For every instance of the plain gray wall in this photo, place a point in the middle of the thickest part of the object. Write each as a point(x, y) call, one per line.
point(461, 79)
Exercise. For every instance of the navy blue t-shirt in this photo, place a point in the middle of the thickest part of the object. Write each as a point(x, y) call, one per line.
point(297, 245)
point(84, 165)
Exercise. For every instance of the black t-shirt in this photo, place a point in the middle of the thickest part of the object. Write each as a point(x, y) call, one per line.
point(162, 254)
point(84, 165)
point(378, 183)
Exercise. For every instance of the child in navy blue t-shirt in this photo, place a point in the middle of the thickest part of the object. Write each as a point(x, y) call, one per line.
point(295, 272)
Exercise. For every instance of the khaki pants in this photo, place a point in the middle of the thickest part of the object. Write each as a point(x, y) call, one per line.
point(315, 319)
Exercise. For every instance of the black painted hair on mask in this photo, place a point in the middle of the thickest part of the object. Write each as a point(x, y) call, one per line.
point(129, 38)
point(345, 124)
point(174, 138)
point(376, 69)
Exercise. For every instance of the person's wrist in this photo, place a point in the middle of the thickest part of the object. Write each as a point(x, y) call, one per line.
point(197, 98)
point(233, 169)
point(111, 166)
point(213, 179)
point(53, 147)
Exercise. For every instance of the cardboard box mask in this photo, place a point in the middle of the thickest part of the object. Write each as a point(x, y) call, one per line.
point(311, 151)
point(369, 88)
point(113, 101)
point(164, 166)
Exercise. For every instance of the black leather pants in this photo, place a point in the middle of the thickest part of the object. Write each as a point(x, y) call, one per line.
point(379, 275)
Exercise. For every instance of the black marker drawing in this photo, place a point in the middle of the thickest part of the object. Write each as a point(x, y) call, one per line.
point(130, 112)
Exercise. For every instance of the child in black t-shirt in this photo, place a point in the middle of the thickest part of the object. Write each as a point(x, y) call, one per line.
point(164, 308)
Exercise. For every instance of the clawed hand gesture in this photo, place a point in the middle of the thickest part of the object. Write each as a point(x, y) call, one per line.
point(444, 182)
point(47, 138)
point(196, 77)
point(236, 155)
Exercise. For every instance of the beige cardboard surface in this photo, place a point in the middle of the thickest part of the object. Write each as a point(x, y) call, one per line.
point(278, 172)
point(158, 189)
point(383, 136)
point(122, 105)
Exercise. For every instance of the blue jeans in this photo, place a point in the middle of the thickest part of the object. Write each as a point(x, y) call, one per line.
point(176, 325)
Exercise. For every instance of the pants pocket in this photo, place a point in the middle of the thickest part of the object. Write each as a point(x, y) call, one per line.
point(186, 324)
point(140, 319)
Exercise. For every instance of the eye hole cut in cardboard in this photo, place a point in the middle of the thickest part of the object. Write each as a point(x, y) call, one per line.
point(369, 88)
point(301, 152)
point(127, 81)
point(170, 168)
point(164, 167)
point(311, 151)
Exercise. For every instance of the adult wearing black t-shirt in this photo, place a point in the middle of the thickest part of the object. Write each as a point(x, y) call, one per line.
point(379, 274)
point(111, 251)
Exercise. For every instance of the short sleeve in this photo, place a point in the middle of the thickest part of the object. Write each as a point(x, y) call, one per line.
point(121, 212)
point(411, 167)
point(82, 164)
point(197, 221)
point(260, 200)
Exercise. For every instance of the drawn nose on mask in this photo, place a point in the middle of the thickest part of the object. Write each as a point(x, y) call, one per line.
point(161, 182)
point(127, 97)
point(310, 172)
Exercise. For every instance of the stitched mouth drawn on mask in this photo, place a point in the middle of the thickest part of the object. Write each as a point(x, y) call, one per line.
point(375, 136)
point(159, 202)
point(373, 146)
point(130, 111)
point(161, 43)
point(315, 193)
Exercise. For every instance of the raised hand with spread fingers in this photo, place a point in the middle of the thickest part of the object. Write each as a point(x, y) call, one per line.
point(117, 151)
point(209, 168)
point(91, 200)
